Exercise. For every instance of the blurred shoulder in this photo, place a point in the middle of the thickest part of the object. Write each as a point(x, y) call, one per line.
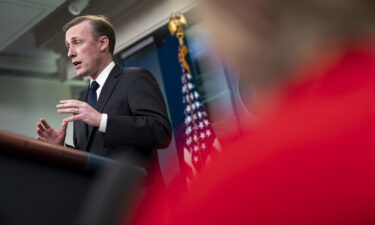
point(136, 71)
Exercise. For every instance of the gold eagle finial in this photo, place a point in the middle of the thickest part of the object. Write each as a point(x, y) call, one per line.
point(176, 25)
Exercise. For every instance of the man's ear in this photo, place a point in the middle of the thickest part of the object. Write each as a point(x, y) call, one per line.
point(104, 43)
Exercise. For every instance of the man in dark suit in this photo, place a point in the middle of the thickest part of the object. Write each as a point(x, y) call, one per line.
point(122, 111)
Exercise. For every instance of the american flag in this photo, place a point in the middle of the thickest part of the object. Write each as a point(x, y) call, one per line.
point(199, 136)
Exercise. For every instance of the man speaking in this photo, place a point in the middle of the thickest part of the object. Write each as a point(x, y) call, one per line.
point(122, 110)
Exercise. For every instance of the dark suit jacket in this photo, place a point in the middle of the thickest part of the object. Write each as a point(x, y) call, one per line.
point(137, 122)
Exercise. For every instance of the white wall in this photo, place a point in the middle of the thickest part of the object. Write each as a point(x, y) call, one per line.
point(24, 100)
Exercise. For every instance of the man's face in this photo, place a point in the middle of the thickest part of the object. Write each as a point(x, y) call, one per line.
point(83, 49)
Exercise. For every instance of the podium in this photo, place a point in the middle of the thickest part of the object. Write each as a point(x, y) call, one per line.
point(42, 183)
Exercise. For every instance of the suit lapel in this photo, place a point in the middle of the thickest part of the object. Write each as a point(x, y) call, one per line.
point(105, 93)
point(108, 88)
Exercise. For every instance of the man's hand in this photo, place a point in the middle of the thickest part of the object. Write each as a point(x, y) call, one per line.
point(47, 134)
point(81, 111)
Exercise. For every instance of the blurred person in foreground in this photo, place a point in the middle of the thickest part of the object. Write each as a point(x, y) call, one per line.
point(122, 111)
point(311, 159)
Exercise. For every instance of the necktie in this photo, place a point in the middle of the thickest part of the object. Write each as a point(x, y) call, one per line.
point(91, 96)
point(92, 99)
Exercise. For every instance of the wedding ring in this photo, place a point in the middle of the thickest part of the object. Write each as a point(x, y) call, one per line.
point(76, 111)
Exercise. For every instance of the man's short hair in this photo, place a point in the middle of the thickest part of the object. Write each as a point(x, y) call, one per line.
point(100, 27)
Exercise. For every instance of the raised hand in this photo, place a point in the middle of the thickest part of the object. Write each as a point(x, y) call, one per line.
point(81, 110)
point(47, 134)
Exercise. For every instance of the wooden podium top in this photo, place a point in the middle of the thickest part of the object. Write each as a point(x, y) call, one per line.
point(26, 147)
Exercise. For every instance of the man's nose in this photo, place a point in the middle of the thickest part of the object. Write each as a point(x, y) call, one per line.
point(71, 53)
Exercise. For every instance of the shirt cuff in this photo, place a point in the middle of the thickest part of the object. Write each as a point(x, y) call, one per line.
point(103, 123)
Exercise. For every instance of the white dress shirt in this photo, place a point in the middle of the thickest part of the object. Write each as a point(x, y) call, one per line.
point(101, 80)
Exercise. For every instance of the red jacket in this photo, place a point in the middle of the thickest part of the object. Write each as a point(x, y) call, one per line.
point(313, 162)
